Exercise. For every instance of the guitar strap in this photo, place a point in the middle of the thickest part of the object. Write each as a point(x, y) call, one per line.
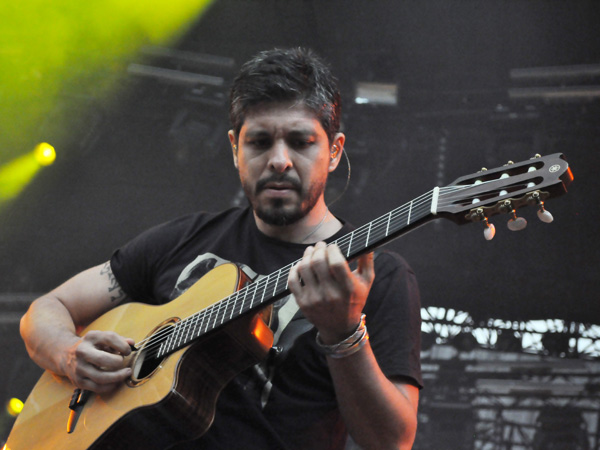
point(284, 316)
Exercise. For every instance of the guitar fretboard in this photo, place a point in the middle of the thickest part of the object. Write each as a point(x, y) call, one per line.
point(274, 286)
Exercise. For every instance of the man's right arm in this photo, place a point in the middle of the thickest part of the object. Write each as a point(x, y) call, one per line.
point(49, 329)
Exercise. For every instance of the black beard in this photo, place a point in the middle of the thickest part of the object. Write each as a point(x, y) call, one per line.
point(276, 215)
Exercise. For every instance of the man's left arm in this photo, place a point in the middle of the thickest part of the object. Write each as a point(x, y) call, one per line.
point(379, 413)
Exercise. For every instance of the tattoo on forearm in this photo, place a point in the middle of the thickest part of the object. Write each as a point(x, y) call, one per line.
point(116, 292)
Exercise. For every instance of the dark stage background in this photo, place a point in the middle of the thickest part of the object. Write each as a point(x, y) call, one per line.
point(161, 151)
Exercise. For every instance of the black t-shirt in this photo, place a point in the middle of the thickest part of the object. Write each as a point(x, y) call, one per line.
point(288, 401)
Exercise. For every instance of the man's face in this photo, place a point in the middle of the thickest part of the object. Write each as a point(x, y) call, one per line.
point(283, 159)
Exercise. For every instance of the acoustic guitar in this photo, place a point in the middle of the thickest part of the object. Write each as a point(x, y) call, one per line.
point(189, 349)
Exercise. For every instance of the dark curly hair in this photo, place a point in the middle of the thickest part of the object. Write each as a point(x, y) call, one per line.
point(286, 75)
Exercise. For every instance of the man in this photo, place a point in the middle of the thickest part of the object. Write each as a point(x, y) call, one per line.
point(327, 378)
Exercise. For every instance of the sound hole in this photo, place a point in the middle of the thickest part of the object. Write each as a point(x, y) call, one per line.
point(146, 362)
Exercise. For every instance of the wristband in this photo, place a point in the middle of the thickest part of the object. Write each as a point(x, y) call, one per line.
point(348, 346)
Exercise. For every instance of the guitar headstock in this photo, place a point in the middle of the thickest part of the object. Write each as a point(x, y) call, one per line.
point(477, 197)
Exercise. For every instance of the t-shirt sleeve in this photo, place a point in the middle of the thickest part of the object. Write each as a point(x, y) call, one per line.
point(135, 263)
point(393, 317)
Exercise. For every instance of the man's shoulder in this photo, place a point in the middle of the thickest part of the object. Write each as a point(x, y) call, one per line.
point(390, 264)
point(201, 219)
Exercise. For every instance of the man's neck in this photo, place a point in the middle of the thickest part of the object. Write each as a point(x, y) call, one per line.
point(316, 226)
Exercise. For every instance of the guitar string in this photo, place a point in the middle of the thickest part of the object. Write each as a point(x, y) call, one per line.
point(223, 306)
point(184, 327)
point(168, 331)
point(265, 279)
point(188, 324)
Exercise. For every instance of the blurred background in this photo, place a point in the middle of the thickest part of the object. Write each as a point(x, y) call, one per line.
point(113, 118)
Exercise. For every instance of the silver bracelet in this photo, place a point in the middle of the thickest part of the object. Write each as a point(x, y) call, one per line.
point(348, 346)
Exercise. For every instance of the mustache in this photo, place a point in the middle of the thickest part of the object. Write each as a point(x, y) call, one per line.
point(285, 179)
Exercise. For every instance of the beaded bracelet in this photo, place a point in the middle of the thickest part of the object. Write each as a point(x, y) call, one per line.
point(348, 346)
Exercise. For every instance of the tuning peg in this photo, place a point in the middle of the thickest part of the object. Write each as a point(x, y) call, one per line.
point(516, 223)
point(477, 215)
point(544, 215)
point(490, 230)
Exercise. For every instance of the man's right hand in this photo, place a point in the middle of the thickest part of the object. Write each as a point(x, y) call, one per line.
point(96, 362)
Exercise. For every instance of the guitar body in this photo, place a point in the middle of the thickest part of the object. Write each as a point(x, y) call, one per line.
point(174, 402)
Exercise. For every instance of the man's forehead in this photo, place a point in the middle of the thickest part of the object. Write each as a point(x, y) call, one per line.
point(281, 117)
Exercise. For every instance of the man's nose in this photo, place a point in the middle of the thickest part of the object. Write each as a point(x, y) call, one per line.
point(279, 157)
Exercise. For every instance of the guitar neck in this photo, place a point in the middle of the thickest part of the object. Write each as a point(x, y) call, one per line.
point(274, 286)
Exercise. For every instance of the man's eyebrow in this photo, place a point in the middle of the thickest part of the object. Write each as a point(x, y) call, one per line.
point(257, 132)
point(303, 132)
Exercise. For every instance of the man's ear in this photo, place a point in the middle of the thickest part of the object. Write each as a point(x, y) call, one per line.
point(234, 147)
point(337, 148)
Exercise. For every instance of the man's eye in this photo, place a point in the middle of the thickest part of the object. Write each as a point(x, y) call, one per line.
point(260, 143)
point(301, 143)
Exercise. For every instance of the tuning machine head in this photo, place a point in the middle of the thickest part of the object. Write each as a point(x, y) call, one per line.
point(489, 231)
point(477, 215)
point(515, 223)
point(543, 214)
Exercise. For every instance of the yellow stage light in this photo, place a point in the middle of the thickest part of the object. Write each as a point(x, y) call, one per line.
point(19, 172)
point(14, 406)
point(44, 154)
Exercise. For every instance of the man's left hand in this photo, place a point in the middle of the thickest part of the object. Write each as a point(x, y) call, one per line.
point(330, 295)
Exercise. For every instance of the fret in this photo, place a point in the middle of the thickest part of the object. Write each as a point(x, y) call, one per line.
point(169, 345)
point(218, 316)
point(184, 324)
point(177, 334)
point(409, 212)
point(191, 321)
point(218, 313)
point(211, 319)
point(349, 245)
point(170, 340)
point(246, 290)
point(276, 281)
point(202, 316)
point(160, 349)
point(387, 229)
point(237, 296)
point(380, 230)
point(287, 277)
point(268, 292)
point(368, 234)
point(361, 239)
point(254, 295)
point(264, 291)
